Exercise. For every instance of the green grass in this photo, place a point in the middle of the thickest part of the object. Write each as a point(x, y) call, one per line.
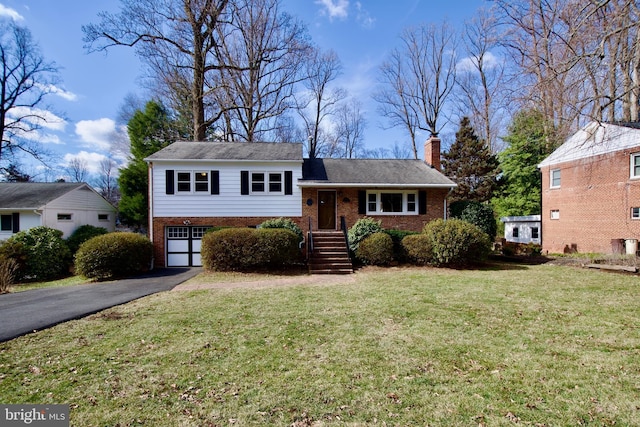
point(67, 281)
point(540, 346)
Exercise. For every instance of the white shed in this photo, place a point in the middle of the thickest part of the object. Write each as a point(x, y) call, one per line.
point(522, 229)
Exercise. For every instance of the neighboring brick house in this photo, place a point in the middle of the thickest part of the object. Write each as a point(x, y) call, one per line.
point(197, 185)
point(61, 205)
point(591, 190)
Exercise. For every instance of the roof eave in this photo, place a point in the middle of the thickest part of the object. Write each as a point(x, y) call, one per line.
point(148, 160)
point(307, 184)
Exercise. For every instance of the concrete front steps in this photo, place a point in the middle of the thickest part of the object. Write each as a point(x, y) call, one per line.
point(330, 254)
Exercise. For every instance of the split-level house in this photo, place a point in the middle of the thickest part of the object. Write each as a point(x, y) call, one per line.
point(61, 205)
point(591, 190)
point(197, 185)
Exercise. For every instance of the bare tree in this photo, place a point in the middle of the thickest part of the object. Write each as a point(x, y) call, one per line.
point(77, 169)
point(319, 101)
point(169, 35)
point(265, 49)
point(25, 79)
point(418, 78)
point(481, 79)
point(107, 181)
point(350, 126)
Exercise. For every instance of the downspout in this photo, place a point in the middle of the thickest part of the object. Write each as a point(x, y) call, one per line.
point(150, 195)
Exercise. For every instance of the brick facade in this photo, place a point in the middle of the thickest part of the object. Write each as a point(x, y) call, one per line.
point(593, 201)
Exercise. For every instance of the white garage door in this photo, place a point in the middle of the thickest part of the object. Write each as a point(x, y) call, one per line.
point(183, 245)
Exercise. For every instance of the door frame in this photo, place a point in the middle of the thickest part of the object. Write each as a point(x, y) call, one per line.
point(335, 208)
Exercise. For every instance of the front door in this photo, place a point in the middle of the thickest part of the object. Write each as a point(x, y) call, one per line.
point(327, 210)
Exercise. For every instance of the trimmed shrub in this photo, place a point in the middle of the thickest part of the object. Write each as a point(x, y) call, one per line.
point(399, 252)
point(277, 247)
point(241, 249)
point(418, 248)
point(361, 229)
point(12, 249)
point(45, 254)
point(376, 249)
point(114, 255)
point(82, 234)
point(476, 213)
point(285, 223)
point(456, 242)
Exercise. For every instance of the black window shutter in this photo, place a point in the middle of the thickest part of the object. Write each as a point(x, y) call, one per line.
point(169, 182)
point(244, 182)
point(362, 202)
point(288, 182)
point(15, 222)
point(422, 202)
point(215, 182)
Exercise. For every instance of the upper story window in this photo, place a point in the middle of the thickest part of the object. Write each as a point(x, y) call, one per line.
point(555, 214)
point(392, 203)
point(184, 182)
point(266, 182)
point(201, 181)
point(275, 182)
point(257, 182)
point(555, 178)
point(198, 181)
point(635, 213)
point(635, 165)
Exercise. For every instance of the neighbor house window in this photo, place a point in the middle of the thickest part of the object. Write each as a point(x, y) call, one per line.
point(555, 178)
point(515, 232)
point(635, 165)
point(555, 214)
point(535, 233)
point(388, 202)
point(201, 180)
point(103, 217)
point(635, 213)
point(184, 182)
point(6, 223)
point(64, 217)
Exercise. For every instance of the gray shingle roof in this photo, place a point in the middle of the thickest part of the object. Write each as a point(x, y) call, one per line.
point(372, 173)
point(33, 195)
point(252, 151)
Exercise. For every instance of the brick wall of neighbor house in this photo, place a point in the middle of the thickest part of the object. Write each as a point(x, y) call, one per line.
point(594, 201)
point(347, 201)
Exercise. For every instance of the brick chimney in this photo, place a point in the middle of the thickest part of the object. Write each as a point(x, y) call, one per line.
point(432, 152)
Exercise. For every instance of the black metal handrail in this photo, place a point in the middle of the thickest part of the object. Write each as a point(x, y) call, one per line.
point(343, 227)
point(310, 239)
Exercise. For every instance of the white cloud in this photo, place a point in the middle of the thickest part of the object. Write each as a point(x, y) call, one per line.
point(38, 117)
point(363, 17)
point(97, 133)
point(469, 64)
point(91, 160)
point(10, 13)
point(69, 96)
point(334, 8)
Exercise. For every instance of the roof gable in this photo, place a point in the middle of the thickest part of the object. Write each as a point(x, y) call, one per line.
point(229, 151)
point(595, 139)
point(372, 172)
point(33, 195)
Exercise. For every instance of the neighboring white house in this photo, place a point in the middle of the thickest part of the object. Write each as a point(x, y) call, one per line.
point(61, 205)
point(522, 229)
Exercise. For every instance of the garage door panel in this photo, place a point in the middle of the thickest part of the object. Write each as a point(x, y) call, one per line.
point(178, 260)
point(184, 245)
point(178, 246)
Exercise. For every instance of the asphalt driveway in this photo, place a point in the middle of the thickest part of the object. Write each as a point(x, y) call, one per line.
point(29, 311)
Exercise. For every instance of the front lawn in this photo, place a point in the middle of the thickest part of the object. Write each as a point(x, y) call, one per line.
point(537, 345)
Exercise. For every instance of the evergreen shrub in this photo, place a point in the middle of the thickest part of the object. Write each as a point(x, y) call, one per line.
point(418, 248)
point(82, 234)
point(456, 242)
point(285, 223)
point(376, 249)
point(361, 229)
point(40, 252)
point(114, 255)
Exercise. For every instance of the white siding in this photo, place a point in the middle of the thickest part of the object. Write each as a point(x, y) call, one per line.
point(229, 203)
point(28, 219)
point(85, 206)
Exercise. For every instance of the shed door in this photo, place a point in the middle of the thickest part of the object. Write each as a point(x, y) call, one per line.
point(183, 245)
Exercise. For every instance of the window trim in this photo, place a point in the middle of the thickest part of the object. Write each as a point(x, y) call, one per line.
point(405, 202)
point(632, 165)
point(62, 217)
point(555, 217)
point(103, 217)
point(206, 182)
point(515, 232)
point(267, 182)
point(635, 213)
point(552, 179)
point(179, 181)
point(535, 235)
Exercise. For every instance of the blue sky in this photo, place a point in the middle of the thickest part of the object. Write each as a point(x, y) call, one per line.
point(94, 85)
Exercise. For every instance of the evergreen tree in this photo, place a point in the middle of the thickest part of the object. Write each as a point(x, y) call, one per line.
point(470, 164)
point(528, 145)
point(149, 131)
